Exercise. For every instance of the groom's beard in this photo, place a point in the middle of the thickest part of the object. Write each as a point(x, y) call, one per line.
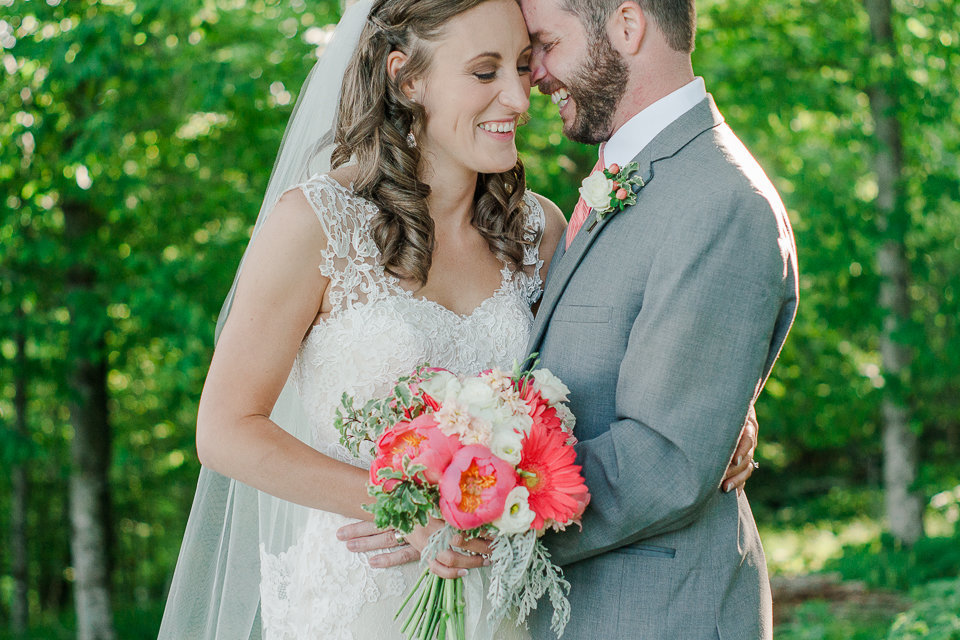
point(596, 89)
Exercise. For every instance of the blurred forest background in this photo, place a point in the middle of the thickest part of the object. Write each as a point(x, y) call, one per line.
point(136, 139)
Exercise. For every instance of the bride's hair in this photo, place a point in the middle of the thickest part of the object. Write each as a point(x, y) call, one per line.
point(374, 119)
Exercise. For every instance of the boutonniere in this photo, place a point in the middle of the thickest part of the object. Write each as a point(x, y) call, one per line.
point(611, 190)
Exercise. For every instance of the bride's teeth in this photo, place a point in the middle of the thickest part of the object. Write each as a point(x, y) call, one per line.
point(497, 127)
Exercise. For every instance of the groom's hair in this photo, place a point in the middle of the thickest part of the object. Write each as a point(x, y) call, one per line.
point(677, 19)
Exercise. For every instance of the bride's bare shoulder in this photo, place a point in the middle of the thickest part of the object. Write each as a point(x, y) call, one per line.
point(345, 175)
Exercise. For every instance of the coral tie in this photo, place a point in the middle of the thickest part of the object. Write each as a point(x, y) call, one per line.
point(581, 211)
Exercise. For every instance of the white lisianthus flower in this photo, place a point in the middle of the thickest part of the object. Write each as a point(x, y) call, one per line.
point(550, 386)
point(517, 514)
point(595, 191)
point(507, 445)
point(441, 385)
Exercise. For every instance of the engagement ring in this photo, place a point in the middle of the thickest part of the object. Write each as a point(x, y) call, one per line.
point(754, 464)
point(399, 538)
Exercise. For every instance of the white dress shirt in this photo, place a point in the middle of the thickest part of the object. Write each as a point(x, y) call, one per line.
point(637, 132)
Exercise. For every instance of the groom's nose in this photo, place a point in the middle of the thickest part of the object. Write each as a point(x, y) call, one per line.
point(537, 71)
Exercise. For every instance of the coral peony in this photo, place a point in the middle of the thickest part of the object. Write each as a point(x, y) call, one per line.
point(474, 487)
point(421, 441)
point(547, 469)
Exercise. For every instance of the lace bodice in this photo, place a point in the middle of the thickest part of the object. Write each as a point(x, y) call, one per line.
point(378, 331)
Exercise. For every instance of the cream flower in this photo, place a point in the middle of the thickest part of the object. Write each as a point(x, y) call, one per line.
point(454, 419)
point(595, 191)
point(441, 385)
point(478, 395)
point(517, 515)
point(550, 386)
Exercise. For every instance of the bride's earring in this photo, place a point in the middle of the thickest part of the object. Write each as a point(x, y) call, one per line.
point(411, 140)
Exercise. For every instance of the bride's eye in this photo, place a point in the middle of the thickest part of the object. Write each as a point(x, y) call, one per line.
point(486, 77)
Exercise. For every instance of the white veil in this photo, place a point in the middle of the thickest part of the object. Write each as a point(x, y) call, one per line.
point(215, 591)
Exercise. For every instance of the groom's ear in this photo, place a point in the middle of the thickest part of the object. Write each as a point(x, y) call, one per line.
point(627, 27)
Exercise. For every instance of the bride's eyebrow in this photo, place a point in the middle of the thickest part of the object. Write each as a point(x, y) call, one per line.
point(496, 56)
point(486, 54)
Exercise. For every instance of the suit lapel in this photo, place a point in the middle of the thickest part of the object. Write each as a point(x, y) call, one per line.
point(668, 142)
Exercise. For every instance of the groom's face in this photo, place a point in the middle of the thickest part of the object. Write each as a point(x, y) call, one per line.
point(581, 71)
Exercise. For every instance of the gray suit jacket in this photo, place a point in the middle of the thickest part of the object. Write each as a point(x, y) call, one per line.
point(664, 320)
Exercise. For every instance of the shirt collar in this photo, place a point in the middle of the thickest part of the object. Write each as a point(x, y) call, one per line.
point(637, 132)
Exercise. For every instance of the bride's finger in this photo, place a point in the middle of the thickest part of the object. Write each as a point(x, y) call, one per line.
point(383, 540)
point(453, 559)
point(357, 530)
point(444, 571)
point(739, 480)
point(402, 555)
point(735, 469)
point(475, 545)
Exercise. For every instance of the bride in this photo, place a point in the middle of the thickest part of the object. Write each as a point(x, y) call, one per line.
point(414, 241)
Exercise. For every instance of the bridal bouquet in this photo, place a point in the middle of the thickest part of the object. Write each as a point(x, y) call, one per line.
point(492, 456)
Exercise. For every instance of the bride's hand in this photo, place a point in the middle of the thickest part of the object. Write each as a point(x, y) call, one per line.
point(364, 536)
point(742, 465)
point(451, 563)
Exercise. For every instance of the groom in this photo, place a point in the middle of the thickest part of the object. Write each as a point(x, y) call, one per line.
point(664, 319)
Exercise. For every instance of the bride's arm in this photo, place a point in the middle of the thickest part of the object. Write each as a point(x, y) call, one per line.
point(278, 297)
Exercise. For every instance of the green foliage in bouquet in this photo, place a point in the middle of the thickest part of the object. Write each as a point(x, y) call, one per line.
point(358, 426)
point(408, 503)
point(521, 573)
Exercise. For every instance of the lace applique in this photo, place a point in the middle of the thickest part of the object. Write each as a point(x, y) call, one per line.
point(318, 589)
point(352, 260)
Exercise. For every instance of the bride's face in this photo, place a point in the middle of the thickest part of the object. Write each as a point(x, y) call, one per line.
point(476, 88)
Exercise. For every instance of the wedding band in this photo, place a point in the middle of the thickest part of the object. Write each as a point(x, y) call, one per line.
point(754, 464)
point(399, 538)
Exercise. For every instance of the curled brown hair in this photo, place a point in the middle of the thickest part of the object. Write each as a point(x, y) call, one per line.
point(374, 119)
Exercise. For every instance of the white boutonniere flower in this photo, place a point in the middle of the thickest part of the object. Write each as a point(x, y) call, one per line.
point(611, 190)
point(595, 190)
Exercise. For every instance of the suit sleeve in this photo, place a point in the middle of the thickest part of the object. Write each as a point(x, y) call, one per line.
point(699, 350)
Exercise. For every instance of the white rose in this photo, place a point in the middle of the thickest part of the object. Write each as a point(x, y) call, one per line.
point(596, 191)
point(507, 445)
point(477, 394)
point(517, 515)
point(441, 385)
point(550, 386)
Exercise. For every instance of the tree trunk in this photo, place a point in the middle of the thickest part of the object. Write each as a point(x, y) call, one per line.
point(19, 608)
point(90, 447)
point(904, 507)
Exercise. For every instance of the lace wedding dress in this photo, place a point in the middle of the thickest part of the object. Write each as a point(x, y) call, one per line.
point(377, 332)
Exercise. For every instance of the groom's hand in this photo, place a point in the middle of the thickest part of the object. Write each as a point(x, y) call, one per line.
point(742, 467)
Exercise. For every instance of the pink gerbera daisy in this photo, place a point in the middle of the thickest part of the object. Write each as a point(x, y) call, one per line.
point(539, 409)
point(558, 493)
